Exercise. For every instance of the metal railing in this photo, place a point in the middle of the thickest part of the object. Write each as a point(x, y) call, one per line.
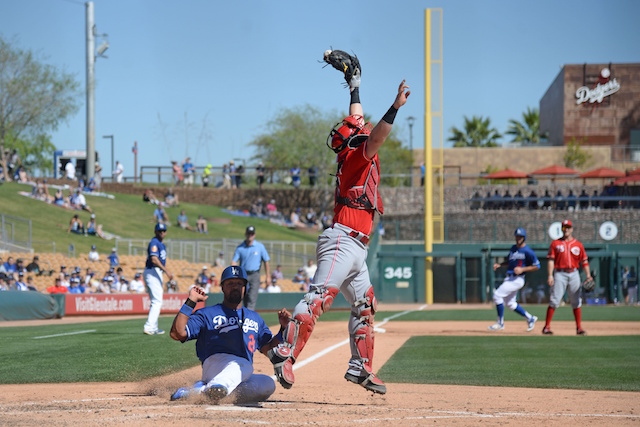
point(15, 234)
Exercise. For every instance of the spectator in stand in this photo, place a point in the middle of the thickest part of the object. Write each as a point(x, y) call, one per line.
point(277, 273)
point(272, 210)
point(137, 285)
point(172, 287)
point(310, 269)
point(583, 200)
point(201, 225)
point(488, 203)
point(105, 285)
point(58, 199)
point(57, 287)
point(149, 197)
point(313, 176)
point(213, 280)
point(547, 200)
point(294, 219)
point(226, 177)
point(177, 172)
point(257, 208)
point(560, 202)
point(239, 173)
point(496, 201)
point(507, 200)
point(295, 176)
point(188, 171)
point(113, 259)
point(123, 283)
point(518, 200)
point(183, 221)
point(80, 202)
point(94, 256)
point(171, 199)
point(30, 284)
point(299, 278)
point(533, 200)
point(160, 216)
point(220, 261)
point(118, 173)
point(572, 201)
point(94, 229)
point(203, 278)
point(34, 267)
point(89, 277)
point(475, 201)
point(20, 268)
point(260, 171)
point(232, 173)
point(70, 170)
point(273, 287)
point(75, 225)
point(98, 177)
point(20, 285)
point(206, 175)
point(3, 280)
point(74, 286)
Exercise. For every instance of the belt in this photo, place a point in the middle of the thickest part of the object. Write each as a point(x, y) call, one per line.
point(566, 270)
point(361, 237)
point(252, 272)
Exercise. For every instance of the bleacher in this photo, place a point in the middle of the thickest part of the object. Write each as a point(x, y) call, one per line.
point(185, 272)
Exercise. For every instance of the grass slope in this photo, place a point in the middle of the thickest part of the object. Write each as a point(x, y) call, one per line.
point(126, 216)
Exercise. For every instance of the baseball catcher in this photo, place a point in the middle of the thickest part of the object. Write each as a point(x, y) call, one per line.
point(342, 248)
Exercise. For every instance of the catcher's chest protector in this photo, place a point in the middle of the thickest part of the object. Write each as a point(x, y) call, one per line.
point(364, 193)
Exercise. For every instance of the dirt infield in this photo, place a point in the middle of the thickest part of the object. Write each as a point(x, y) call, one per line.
point(321, 396)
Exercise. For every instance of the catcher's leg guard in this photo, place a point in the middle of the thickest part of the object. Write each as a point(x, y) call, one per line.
point(361, 332)
point(298, 331)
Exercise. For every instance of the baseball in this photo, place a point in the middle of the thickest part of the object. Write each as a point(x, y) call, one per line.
point(327, 53)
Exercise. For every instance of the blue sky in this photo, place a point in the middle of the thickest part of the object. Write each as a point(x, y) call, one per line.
point(227, 68)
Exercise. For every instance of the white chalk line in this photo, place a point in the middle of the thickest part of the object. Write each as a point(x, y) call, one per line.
point(328, 350)
point(88, 331)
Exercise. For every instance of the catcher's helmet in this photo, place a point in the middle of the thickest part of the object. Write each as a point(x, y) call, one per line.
point(350, 132)
point(233, 272)
point(520, 232)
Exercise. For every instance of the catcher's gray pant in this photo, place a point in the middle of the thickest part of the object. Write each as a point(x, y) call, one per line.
point(251, 293)
point(565, 281)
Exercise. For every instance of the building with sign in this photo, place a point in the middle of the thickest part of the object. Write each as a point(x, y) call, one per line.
point(594, 104)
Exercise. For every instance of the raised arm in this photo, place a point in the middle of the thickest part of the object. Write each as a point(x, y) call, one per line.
point(382, 130)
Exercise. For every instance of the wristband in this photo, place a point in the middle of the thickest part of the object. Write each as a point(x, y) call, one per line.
point(186, 309)
point(390, 115)
point(355, 96)
point(191, 303)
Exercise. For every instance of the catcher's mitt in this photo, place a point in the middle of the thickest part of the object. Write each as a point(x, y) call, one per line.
point(345, 63)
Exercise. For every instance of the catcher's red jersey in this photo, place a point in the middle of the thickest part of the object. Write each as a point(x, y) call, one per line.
point(567, 254)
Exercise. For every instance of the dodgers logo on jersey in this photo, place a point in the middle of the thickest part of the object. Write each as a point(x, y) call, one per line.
point(224, 325)
point(516, 255)
point(249, 325)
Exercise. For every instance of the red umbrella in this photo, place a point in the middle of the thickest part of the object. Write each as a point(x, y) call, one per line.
point(634, 172)
point(628, 178)
point(506, 174)
point(602, 173)
point(555, 170)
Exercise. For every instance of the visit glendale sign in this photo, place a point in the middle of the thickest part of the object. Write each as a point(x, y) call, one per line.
point(598, 93)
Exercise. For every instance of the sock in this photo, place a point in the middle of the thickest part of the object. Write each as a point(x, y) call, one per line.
point(577, 313)
point(522, 312)
point(550, 311)
point(500, 309)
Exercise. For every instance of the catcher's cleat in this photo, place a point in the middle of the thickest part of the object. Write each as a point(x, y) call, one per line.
point(282, 365)
point(547, 331)
point(346, 64)
point(370, 382)
point(216, 392)
point(532, 323)
point(581, 332)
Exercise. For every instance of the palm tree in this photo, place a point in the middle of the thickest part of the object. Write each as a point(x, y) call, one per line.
point(477, 133)
point(527, 131)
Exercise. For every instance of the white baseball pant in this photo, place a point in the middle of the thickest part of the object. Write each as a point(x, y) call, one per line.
point(236, 374)
point(153, 280)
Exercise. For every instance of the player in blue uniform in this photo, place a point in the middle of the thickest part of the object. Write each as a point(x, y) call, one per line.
point(155, 266)
point(521, 260)
point(227, 336)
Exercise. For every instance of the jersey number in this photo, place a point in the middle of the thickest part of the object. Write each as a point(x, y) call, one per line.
point(398, 273)
point(251, 346)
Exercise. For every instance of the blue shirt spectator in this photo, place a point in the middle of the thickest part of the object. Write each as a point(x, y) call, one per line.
point(113, 258)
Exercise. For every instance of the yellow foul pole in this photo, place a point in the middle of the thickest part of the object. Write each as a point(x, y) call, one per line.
point(428, 165)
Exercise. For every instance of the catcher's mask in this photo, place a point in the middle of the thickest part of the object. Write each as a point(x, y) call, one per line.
point(350, 132)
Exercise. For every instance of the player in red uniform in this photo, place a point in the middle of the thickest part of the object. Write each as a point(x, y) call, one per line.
point(566, 255)
point(342, 249)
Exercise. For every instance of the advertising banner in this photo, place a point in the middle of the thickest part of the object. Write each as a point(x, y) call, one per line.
point(110, 304)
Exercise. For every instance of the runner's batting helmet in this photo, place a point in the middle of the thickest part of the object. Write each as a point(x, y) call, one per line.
point(233, 272)
point(351, 132)
point(161, 227)
point(520, 232)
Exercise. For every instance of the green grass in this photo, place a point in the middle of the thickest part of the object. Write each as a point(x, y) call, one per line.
point(126, 216)
point(118, 351)
point(587, 363)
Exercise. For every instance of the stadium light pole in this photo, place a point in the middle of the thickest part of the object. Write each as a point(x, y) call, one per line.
point(411, 120)
point(112, 165)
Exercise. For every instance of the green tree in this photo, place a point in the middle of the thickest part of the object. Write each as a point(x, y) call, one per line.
point(575, 156)
point(297, 137)
point(528, 130)
point(34, 99)
point(477, 132)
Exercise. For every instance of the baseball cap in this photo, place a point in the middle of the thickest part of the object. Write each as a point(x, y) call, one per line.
point(93, 216)
point(204, 267)
point(93, 246)
point(567, 223)
point(138, 275)
point(520, 232)
point(250, 230)
point(161, 227)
